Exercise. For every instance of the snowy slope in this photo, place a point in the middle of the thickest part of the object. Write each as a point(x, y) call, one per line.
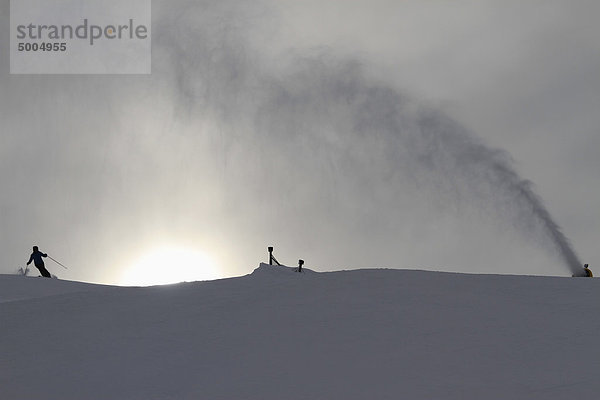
point(276, 334)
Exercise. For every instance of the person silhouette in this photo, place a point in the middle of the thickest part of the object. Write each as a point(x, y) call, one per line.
point(36, 257)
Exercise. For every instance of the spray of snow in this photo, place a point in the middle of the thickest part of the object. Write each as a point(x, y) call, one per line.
point(324, 108)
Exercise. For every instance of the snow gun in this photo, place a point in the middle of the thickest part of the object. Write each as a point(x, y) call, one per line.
point(587, 272)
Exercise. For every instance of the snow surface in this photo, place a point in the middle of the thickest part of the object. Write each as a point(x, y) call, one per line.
point(277, 334)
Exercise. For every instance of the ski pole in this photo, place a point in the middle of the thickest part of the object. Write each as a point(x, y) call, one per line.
point(57, 262)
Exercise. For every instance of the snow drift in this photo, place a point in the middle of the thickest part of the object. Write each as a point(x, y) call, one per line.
point(277, 334)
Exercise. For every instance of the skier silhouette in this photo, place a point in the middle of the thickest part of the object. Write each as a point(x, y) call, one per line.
point(36, 257)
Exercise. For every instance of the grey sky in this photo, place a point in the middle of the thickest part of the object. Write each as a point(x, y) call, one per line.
point(97, 170)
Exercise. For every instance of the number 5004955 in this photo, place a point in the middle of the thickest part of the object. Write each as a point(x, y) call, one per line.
point(42, 47)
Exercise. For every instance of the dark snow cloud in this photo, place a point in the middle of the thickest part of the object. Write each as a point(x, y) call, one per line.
point(366, 134)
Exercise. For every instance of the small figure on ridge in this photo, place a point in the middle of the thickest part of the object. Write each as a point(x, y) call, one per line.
point(36, 257)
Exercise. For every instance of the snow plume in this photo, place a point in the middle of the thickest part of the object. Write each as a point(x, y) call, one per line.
point(315, 127)
point(491, 171)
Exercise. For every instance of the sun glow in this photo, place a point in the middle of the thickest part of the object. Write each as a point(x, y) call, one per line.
point(167, 265)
